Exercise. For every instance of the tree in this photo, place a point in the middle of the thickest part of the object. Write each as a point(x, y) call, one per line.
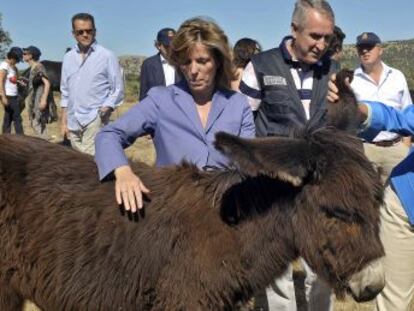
point(5, 40)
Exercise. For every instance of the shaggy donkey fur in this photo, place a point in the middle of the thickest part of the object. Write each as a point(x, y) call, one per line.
point(205, 239)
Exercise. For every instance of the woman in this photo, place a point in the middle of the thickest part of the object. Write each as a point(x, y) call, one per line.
point(39, 96)
point(182, 118)
point(8, 91)
point(243, 51)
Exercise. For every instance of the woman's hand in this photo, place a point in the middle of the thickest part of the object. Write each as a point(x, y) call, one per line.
point(129, 189)
point(4, 101)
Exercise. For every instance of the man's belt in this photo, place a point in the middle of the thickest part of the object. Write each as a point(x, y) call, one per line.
point(387, 143)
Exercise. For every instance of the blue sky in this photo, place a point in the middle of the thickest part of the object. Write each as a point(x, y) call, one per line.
point(129, 26)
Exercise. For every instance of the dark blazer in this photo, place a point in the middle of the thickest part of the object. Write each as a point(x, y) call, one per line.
point(152, 74)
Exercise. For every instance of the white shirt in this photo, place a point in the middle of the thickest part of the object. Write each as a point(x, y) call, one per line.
point(169, 71)
point(10, 85)
point(391, 90)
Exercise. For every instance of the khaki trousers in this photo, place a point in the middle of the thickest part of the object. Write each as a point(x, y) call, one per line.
point(84, 140)
point(397, 236)
point(386, 158)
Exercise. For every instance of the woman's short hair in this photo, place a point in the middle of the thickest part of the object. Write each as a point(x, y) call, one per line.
point(243, 50)
point(207, 32)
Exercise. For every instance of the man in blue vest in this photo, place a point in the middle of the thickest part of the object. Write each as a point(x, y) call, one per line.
point(287, 88)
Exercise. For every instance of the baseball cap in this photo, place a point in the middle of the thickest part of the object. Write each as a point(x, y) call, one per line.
point(32, 50)
point(17, 52)
point(165, 36)
point(368, 38)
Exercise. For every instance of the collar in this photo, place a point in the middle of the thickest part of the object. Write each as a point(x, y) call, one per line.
point(91, 48)
point(163, 60)
point(292, 61)
point(385, 70)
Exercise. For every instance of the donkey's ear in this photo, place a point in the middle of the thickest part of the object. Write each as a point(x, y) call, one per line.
point(286, 159)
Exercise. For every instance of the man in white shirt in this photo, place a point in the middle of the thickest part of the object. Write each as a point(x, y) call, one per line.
point(375, 81)
point(156, 70)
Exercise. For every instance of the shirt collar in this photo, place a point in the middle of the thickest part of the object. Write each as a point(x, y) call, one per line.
point(385, 70)
point(163, 60)
point(91, 48)
point(289, 57)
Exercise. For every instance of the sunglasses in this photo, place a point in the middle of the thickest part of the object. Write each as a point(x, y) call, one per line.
point(81, 32)
point(367, 47)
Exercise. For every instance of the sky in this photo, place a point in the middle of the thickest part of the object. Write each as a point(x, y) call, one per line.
point(129, 27)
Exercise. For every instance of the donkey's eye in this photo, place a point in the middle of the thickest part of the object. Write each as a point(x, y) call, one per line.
point(341, 214)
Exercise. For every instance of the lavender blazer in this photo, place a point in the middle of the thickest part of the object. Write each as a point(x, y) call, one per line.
point(169, 114)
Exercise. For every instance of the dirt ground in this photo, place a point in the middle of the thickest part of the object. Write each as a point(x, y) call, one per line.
point(143, 150)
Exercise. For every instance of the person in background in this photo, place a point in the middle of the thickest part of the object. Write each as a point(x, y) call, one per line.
point(9, 92)
point(397, 215)
point(243, 50)
point(375, 81)
point(336, 47)
point(39, 92)
point(157, 70)
point(183, 118)
point(288, 86)
point(91, 85)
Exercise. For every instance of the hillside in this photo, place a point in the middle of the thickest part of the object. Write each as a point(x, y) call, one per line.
point(398, 54)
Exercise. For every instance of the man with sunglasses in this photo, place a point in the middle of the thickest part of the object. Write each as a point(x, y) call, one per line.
point(376, 81)
point(91, 85)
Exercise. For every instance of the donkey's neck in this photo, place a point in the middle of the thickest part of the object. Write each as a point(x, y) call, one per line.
point(261, 209)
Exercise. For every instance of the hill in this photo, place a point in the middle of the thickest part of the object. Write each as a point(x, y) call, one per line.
point(398, 54)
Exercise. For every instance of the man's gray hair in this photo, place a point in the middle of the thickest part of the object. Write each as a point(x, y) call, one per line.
point(302, 6)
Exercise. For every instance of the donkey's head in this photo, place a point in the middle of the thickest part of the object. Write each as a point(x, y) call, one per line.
point(335, 216)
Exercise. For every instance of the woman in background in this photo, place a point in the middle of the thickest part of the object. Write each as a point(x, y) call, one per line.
point(9, 92)
point(243, 51)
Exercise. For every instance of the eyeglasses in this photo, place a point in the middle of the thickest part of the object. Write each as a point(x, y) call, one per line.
point(80, 32)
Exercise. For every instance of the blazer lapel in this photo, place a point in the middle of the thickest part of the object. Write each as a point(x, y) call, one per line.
point(159, 72)
point(185, 102)
point(217, 106)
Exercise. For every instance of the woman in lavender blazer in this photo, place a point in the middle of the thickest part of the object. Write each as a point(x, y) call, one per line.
point(182, 118)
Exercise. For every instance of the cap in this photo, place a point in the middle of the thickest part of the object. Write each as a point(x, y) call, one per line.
point(165, 36)
point(18, 52)
point(368, 38)
point(32, 50)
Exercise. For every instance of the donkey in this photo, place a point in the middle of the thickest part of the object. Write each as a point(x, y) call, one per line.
point(205, 239)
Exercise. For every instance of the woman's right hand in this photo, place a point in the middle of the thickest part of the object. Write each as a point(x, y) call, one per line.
point(129, 189)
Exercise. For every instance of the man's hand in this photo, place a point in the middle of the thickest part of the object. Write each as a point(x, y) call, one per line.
point(105, 114)
point(129, 189)
point(332, 96)
point(64, 131)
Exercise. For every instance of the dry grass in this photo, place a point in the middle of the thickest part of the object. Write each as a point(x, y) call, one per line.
point(143, 150)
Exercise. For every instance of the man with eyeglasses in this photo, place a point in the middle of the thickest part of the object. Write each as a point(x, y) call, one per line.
point(376, 81)
point(287, 86)
point(91, 85)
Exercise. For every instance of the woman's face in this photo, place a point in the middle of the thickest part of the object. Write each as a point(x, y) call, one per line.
point(199, 69)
